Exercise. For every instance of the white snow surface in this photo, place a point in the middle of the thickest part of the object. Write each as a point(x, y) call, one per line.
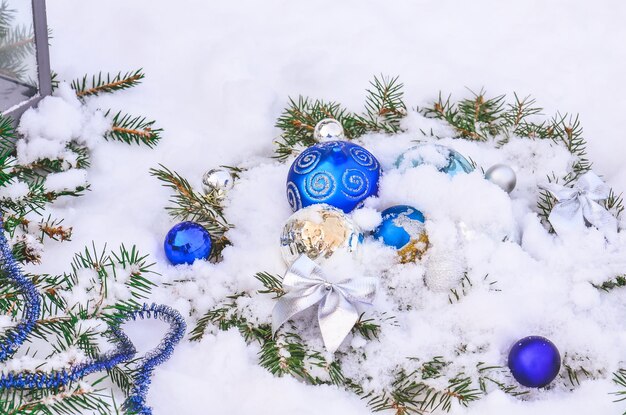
point(218, 75)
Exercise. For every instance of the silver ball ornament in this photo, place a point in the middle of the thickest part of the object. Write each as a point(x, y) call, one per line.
point(218, 180)
point(319, 231)
point(328, 129)
point(503, 176)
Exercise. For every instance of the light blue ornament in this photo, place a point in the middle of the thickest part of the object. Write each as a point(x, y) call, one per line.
point(187, 242)
point(338, 173)
point(403, 228)
point(445, 159)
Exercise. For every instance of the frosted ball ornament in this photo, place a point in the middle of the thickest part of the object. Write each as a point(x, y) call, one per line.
point(328, 129)
point(444, 159)
point(534, 361)
point(502, 176)
point(218, 181)
point(403, 228)
point(445, 268)
point(319, 231)
point(337, 173)
point(187, 242)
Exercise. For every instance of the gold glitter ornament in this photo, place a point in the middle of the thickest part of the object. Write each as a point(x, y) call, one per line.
point(319, 231)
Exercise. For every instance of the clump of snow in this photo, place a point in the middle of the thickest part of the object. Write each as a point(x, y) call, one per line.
point(57, 120)
point(14, 191)
point(66, 180)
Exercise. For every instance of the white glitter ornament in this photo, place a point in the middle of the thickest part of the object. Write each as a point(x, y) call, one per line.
point(444, 269)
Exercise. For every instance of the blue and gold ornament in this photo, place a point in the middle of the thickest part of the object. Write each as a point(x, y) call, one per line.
point(445, 159)
point(403, 228)
point(338, 173)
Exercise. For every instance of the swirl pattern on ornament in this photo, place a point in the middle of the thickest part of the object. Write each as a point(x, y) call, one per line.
point(364, 158)
point(307, 161)
point(293, 196)
point(356, 184)
point(320, 186)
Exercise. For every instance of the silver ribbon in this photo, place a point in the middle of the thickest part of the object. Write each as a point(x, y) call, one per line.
point(578, 205)
point(306, 285)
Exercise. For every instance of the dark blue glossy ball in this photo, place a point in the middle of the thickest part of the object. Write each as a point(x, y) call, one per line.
point(534, 361)
point(401, 224)
point(186, 242)
point(338, 173)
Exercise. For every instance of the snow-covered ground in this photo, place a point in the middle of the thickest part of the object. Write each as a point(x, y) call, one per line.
point(219, 73)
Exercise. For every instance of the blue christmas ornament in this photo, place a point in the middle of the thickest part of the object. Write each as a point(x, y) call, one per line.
point(187, 242)
point(534, 361)
point(403, 228)
point(338, 173)
point(445, 159)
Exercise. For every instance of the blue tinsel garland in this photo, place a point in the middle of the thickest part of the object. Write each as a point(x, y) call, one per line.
point(136, 402)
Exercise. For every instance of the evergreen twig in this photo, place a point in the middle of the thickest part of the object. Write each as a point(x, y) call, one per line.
point(101, 83)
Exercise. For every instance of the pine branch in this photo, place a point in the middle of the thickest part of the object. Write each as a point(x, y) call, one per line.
point(273, 284)
point(619, 378)
point(609, 285)
point(478, 118)
point(384, 106)
point(205, 209)
point(298, 121)
point(129, 129)
point(384, 109)
point(105, 84)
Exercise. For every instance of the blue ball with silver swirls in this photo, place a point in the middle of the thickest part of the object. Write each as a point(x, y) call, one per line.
point(338, 173)
point(445, 159)
point(186, 242)
point(534, 361)
point(403, 228)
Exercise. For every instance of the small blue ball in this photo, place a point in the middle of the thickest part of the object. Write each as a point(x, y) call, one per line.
point(186, 242)
point(401, 224)
point(338, 173)
point(453, 162)
point(534, 361)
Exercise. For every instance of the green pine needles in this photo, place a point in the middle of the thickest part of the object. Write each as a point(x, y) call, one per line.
point(384, 109)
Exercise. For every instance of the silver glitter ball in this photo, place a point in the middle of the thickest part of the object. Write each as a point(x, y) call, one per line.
point(319, 231)
point(217, 180)
point(328, 129)
point(503, 176)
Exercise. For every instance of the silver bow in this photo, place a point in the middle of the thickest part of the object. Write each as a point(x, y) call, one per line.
point(307, 285)
point(578, 205)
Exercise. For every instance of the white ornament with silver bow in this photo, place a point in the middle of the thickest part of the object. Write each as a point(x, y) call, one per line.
point(578, 206)
point(306, 286)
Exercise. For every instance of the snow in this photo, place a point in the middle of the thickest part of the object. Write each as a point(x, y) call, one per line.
point(219, 73)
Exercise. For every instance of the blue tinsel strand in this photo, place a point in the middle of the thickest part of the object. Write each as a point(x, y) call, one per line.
point(136, 402)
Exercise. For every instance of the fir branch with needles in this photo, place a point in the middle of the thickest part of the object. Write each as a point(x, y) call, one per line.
point(133, 129)
point(384, 110)
point(101, 83)
point(205, 209)
point(619, 378)
point(611, 284)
